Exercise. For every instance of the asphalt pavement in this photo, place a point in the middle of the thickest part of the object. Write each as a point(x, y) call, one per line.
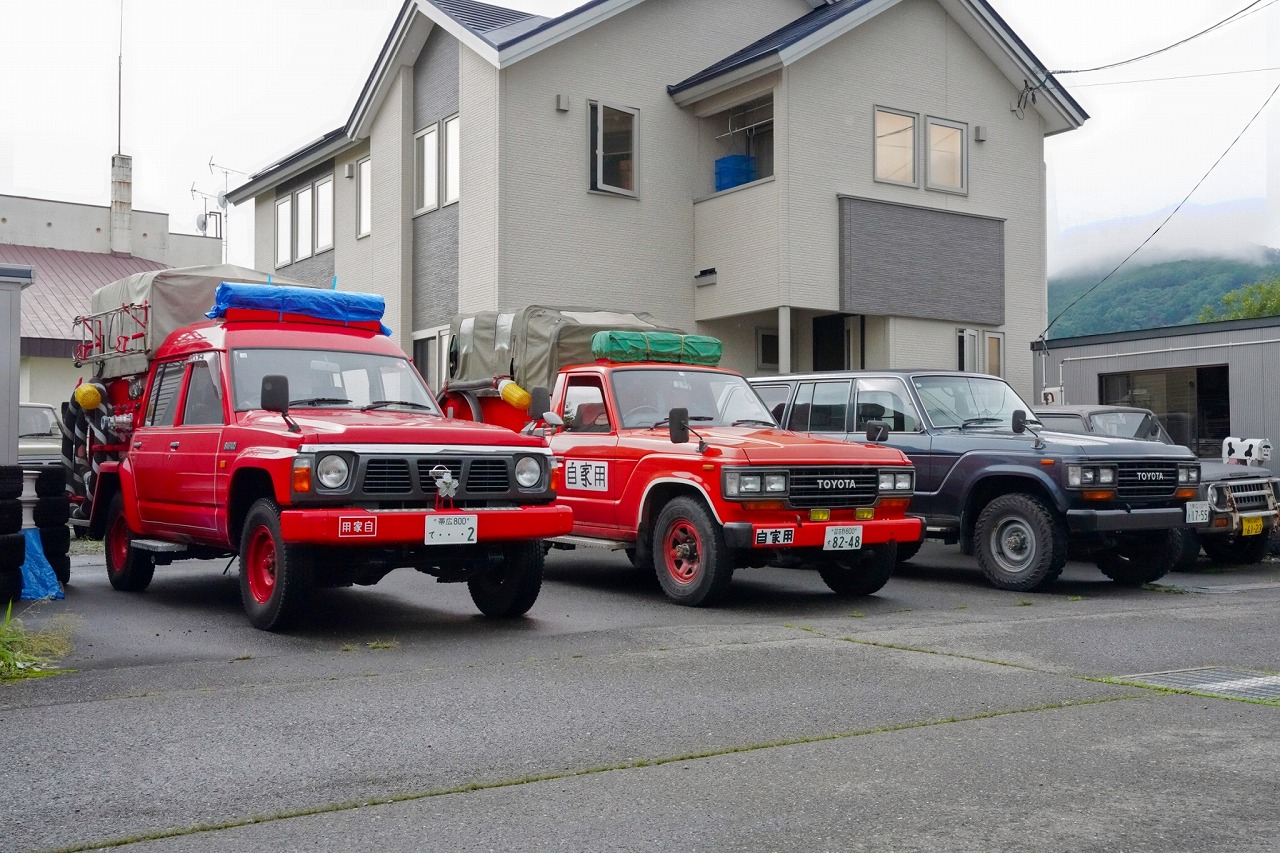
point(939, 714)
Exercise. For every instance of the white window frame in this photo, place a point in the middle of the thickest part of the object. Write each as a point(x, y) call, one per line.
point(929, 123)
point(437, 342)
point(323, 236)
point(915, 147)
point(974, 356)
point(285, 240)
point(304, 218)
point(451, 161)
point(596, 132)
point(987, 339)
point(364, 197)
point(426, 169)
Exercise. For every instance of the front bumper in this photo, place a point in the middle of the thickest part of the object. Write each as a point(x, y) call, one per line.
point(812, 534)
point(379, 528)
point(1119, 520)
point(1225, 523)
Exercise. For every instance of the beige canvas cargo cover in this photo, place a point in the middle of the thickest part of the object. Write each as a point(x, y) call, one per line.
point(532, 344)
point(176, 298)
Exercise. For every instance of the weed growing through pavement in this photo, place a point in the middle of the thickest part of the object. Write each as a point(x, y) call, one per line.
point(347, 647)
point(26, 654)
point(1025, 603)
point(379, 645)
point(857, 614)
point(1075, 598)
point(1168, 589)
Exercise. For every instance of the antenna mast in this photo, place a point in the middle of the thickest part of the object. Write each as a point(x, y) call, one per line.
point(120, 82)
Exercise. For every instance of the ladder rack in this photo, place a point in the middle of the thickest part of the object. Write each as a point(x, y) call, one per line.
point(114, 333)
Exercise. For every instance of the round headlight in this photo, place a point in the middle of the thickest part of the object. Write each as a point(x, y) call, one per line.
point(332, 471)
point(528, 472)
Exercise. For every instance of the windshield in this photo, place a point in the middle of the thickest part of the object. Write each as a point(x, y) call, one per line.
point(330, 379)
point(36, 421)
point(645, 397)
point(1140, 425)
point(969, 401)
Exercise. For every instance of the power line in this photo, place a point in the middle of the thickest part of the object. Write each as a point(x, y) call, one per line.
point(1167, 218)
point(1180, 77)
point(1227, 20)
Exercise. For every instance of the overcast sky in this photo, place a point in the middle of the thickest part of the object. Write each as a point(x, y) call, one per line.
point(243, 82)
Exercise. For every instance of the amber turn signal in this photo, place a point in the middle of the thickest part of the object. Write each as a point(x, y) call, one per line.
point(893, 503)
point(1186, 493)
point(1098, 494)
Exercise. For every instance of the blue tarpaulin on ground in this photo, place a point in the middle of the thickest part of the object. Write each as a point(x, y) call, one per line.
point(38, 579)
point(323, 304)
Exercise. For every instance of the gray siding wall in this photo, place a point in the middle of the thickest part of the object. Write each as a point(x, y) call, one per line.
point(1248, 353)
point(435, 233)
point(920, 262)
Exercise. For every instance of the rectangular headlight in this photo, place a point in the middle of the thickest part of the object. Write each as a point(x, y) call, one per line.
point(1073, 475)
point(731, 487)
point(886, 481)
point(749, 484)
point(1106, 476)
point(902, 482)
point(775, 484)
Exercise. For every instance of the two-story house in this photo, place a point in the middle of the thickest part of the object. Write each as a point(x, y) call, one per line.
point(820, 184)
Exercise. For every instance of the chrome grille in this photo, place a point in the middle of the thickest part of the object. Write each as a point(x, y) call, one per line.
point(1154, 479)
point(847, 487)
point(486, 476)
point(1247, 495)
point(387, 477)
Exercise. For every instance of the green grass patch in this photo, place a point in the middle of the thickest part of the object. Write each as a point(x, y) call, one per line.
point(32, 654)
point(1166, 588)
point(379, 645)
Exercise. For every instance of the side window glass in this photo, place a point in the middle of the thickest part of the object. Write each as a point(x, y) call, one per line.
point(775, 399)
point(799, 420)
point(830, 402)
point(584, 409)
point(203, 403)
point(884, 400)
point(163, 405)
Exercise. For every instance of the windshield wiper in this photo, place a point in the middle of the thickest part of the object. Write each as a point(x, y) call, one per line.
point(760, 421)
point(378, 404)
point(665, 421)
point(972, 421)
point(319, 401)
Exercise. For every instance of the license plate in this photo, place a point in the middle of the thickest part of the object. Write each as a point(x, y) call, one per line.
point(450, 529)
point(843, 538)
point(1197, 512)
point(1252, 526)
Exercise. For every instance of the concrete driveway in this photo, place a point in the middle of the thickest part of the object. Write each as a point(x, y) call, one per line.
point(938, 714)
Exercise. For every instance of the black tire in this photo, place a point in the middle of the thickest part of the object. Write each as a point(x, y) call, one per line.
point(1020, 543)
point(51, 482)
point(10, 515)
point(276, 578)
point(1140, 558)
point(51, 512)
point(56, 541)
point(907, 550)
point(61, 565)
point(865, 574)
point(10, 585)
point(13, 550)
point(128, 569)
point(509, 590)
point(1235, 550)
point(1187, 549)
point(692, 561)
point(10, 482)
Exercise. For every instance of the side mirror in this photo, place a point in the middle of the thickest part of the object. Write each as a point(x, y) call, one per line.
point(539, 402)
point(877, 432)
point(1019, 421)
point(678, 425)
point(550, 418)
point(275, 394)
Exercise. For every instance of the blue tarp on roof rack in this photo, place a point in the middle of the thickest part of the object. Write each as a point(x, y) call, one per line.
point(322, 304)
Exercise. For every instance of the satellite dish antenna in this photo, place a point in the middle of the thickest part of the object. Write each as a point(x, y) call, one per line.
point(202, 222)
point(222, 200)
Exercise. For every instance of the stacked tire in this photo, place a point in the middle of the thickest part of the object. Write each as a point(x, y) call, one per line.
point(13, 545)
point(51, 514)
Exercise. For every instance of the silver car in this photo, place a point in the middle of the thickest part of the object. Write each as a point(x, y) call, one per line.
point(39, 439)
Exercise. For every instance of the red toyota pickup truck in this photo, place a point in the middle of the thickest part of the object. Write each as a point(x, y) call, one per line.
point(304, 440)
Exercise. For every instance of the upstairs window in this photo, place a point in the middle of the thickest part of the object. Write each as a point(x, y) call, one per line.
point(613, 148)
point(426, 163)
point(452, 160)
point(304, 221)
point(284, 231)
point(948, 143)
point(364, 198)
point(895, 151)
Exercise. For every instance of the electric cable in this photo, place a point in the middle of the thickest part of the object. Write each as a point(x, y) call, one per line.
point(1172, 213)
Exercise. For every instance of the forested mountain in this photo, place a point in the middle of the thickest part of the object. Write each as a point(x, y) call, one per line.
point(1167, 294)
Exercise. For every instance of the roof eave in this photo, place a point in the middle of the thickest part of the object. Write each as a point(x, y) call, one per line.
point(294, 164)
point(728, 80)
point(558, 29)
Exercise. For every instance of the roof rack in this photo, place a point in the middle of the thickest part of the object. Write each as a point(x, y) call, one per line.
point(114, 333)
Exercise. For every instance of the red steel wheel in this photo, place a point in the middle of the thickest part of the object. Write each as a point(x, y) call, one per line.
point(693, 563)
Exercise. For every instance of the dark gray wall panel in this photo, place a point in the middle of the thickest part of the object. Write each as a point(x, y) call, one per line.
point(918, 262)
point(317, 269)
point(435, 234)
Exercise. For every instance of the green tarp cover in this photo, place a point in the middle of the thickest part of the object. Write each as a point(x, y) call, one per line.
point(617, 345)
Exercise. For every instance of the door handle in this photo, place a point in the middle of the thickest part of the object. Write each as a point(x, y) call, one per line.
point(173, 445)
